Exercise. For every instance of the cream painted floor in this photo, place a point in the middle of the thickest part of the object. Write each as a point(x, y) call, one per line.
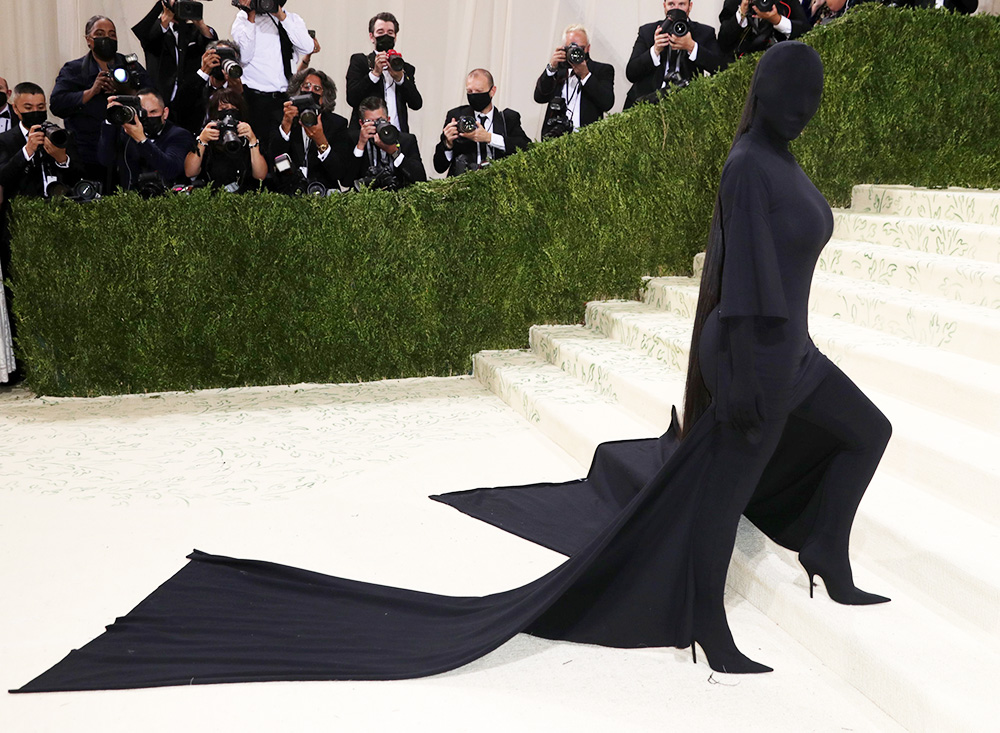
point(100, 500)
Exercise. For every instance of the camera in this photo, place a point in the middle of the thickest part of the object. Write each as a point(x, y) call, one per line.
point(466, 123)
point(230, 66)
point(673, 81)
point(82, 192)
point(764, 6)
point(558, 122)
point(229, 135)
point(129, 111)
point(55, 134)
point(308, 109)
point(258, 6)
point(150, 185)
point(185, 10)
point(387, 132)
point(395, 59)
point(126, 76)
point(288, 179)
point(575, 55)
point(677, 23)
point(381, 177)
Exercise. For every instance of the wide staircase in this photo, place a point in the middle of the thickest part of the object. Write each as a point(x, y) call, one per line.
point(906, 300)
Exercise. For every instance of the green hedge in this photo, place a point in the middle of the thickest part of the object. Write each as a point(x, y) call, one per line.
point(213, 291)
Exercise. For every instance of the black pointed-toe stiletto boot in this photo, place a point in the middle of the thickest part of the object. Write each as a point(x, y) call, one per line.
point(836, 575)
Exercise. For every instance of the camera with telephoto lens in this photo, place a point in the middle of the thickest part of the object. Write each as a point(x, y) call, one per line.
point(258, 6)
point(308, 109)
point(677, 23)
point(129, 111)
point(229, 66)
point(55, 134)
point(395, 59)
point(150, 184)
point(229, 133)
point(381, 177)
point(466, 123)
point(764, 6)
point(126, 77)
point(558, 123)
point(387, 132)
point(575, 55)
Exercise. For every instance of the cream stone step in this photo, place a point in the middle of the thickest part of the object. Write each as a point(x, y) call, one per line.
point(956, 278)
point(948, 204)
point(927, 673)
point(932, 321)
point(640, 383)
point(949, 238)
point(923, 539)
point(577, 418)
point(933, 378)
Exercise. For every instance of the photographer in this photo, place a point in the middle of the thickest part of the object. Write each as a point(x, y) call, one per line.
point(494, 133)
point(80, 95)
point(586, 87)
point(662, 61)
point(221, 68)
point(384, 74)
point(173, 47)
point(314, 136)
point(7, 119)
point(35, 157)
point(267, 42)
point(148, 151)
point(392, 165)
point(227, 152)
point(748, 26)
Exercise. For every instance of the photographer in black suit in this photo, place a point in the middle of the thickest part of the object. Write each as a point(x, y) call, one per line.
point(7, 119)
point(661, 60)
point(148, 151)
point(227, 155)
point(378, 162)
point(587, 87)
point(497, 133)
point(749, 26)
point(173, 47)
point(35, 156)
point(190, 110)
point(321, 151)
point(383, 73)
point(80, 95)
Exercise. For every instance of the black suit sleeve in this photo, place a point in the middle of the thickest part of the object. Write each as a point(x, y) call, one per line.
point(546, 86)
point(66, 99)
point(149, 33)
point(710, 56)
point(441, 162)
point(800, 23)
point(166, 153)
point(407, 92)
point(280, 146)
point(412, 167)
point(516, 138)
point(12, 160)
point(640, 64)
point(107, 147)
point(600, 88)
point(335, 130)
point(359, 84)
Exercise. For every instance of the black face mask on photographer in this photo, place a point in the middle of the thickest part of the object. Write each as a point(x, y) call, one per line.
point(479, 100)
point(30, 119)
point(384, 43)
point(152, 126)
point(105, 48)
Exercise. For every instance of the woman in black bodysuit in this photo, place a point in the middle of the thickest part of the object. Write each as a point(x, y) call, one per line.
point(752, 358)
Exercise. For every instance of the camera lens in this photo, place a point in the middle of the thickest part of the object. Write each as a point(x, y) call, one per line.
point(120, 75)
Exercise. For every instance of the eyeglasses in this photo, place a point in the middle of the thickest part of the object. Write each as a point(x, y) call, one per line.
point(307, 87)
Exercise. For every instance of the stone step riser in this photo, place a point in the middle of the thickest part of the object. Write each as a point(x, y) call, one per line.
point(948, 582)
point(977, 337)
point(957, 205)
point(882, 370)
point(965, 281)
point(968, 241)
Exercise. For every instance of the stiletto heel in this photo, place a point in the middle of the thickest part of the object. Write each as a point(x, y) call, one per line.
point(731, 662)
point(839, 581)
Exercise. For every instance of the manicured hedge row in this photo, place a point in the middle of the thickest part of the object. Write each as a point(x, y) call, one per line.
point(209, 291)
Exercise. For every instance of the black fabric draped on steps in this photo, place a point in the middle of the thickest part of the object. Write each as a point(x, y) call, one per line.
point(625, 584)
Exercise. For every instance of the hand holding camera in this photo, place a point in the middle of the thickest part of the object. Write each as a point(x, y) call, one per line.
point(209, 134)
point(450, 134)
point(766, 10)
point(103, 84)
point(678, 27)
point(471, 129)
point(661, 40)
point(288, 117)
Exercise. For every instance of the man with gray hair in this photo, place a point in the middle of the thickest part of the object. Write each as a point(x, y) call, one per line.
point(577, 89)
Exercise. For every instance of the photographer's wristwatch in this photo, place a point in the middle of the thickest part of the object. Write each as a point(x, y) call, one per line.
point(323, 148)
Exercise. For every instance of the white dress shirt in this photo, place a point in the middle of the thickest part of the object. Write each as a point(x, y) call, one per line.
point(572, 92)
point(784, 25)
point(389, 85)
point(260, 48)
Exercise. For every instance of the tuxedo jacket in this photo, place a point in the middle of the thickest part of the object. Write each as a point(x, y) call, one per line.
point(21, 177)
point(360, 86)
point(505, 122)
point(332, 171)
point(735, 41)
point(163, 69)
point(410, 171)
point(163, 154)
point(596, 97)
point(8, 114)
point(85, 121)
point(647, 77)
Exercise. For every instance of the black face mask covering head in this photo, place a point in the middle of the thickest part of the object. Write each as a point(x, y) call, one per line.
point(105, 48)
point(788, 86)
point(30, 119)
point(3, 99)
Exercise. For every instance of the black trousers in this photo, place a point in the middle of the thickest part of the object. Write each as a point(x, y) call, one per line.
point(266, 111)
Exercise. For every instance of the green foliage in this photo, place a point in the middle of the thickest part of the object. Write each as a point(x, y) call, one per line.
point(218, 291)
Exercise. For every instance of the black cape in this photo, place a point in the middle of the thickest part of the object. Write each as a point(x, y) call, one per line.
point(626, 583)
